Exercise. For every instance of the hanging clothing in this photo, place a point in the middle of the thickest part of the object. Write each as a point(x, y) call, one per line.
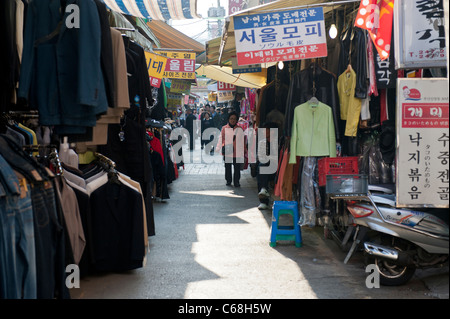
point(353, 52)
point(48, 82)
point(116, 216)
point(47, 224)
point(96, 179)
point(350, 105)
point(72, 218)
point(313, 132)
point(301, 91)
point(139, 90)
point(10, 64)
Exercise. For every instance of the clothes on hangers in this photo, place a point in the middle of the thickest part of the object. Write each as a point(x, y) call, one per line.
point(313, 132)
point(301, 91)
point(353, 51)
point(48, 83)
point(350, 105)
point(12, 43)
point(109, 216)
point(34, 266)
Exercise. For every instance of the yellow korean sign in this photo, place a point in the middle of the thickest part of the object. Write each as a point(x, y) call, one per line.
point(156, 65)
point(180, 86)
point(224, 96)
point(174, 101)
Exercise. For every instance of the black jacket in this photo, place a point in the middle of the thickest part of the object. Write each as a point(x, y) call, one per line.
point(353, 51)
point(117, 228)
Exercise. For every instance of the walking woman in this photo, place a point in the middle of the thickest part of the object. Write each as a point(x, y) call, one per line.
point(233, 146)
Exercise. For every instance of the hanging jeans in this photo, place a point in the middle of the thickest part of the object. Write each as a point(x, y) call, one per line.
point(17, 247)
point(48, 230)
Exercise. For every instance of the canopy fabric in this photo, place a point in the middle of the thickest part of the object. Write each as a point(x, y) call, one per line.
point(225, 74)
point(156, 9)
point(171, 38)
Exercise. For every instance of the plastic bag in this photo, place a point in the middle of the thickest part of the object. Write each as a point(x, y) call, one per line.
point(310, 195)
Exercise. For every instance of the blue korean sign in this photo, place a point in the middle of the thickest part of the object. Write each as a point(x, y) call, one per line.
point(280, 36)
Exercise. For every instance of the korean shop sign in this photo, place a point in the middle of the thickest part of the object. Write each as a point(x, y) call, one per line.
point(224, 96)
point(420, 39)
point(223, 86)
point(180, 86)
point(280, 36)
point(174, 101)
point(422, 143)
point(237, 69)
point(180, 65)
point(156, 65)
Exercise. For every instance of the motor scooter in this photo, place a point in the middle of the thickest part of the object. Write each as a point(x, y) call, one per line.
point(396, 240)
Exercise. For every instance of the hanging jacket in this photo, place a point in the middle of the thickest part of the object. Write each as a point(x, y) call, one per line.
point(312, 132)
point(353, 51)
point(301, 89)
point(61, 73)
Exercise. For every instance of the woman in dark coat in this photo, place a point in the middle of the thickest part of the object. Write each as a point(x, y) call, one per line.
point(207, 122)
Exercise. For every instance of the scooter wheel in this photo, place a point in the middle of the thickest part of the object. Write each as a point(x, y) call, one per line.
point(392, 274)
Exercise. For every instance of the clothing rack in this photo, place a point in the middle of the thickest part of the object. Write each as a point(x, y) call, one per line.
point(52, 156)
point(23, 114)
point(125, 29)
point(109, 166)
point(105, 160)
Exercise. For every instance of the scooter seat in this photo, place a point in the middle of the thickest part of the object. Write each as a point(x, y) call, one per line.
point(387, 199)
point(382, 188)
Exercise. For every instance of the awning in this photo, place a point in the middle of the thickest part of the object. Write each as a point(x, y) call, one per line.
point(225, 74)
point(228, 46)
point(171, 38)
point(156, 9)
point(213, 52)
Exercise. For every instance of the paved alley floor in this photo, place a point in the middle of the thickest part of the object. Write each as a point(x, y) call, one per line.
point(212, 242)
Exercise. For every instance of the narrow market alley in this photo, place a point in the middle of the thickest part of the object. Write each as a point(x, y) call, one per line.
point(212, 242)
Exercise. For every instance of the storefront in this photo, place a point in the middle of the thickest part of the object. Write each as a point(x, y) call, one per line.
point(80, 102)
point(367, 80)
point(85, 146)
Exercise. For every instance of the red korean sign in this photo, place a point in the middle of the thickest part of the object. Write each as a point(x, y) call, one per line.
point(222, 86)
point(425, 115)
point(180, 65)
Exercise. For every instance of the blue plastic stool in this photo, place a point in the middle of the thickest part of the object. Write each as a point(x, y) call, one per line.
point(285, 232)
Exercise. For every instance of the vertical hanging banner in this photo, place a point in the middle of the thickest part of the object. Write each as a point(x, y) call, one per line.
point(422, 143)
point(156, 65)
point(420, 39)
point(376, 17)
point(180, 64)
point(280, 36)
point(235, 6)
